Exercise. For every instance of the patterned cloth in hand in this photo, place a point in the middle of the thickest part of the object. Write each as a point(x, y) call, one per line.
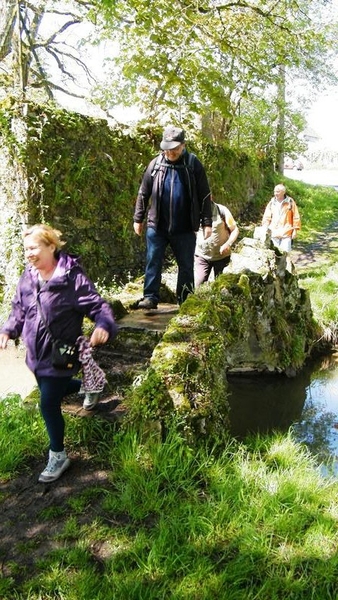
point(94, 378)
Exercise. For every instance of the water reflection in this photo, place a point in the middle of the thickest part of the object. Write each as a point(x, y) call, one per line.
point(308, 402)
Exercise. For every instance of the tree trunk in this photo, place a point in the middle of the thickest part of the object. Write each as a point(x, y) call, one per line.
point(280, 135)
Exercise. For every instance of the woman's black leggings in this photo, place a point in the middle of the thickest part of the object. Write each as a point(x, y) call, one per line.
point(52, 391)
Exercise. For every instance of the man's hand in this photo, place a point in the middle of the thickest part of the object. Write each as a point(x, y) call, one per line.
point(138, 228)
point(225, 248)
point(207, 232)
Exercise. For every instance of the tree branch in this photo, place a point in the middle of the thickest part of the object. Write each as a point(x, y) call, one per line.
point(7, 33)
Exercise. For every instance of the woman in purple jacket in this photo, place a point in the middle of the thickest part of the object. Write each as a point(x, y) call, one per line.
point(65, 296)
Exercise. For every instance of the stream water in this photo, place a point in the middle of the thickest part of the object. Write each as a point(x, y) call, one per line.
point(308, 403)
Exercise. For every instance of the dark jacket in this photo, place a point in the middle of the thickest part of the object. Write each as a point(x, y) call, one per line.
point(65, 300)
point(194, 182)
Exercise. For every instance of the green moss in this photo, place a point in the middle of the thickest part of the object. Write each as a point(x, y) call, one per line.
point(148, 399)
point(187, 377)
point(244, 283)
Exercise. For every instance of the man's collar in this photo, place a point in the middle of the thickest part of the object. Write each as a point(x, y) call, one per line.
point(179, 160)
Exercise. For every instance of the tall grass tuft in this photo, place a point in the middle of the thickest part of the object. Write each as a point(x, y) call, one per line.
point(22, 434)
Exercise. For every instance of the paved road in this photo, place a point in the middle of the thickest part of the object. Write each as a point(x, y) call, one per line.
point(315, 176)
point(15, 378)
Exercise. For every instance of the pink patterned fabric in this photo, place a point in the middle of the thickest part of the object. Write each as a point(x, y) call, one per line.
point(94, 378)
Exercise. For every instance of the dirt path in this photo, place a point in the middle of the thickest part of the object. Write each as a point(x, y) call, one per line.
point(25, 503)
point(319, 252)
point(15, 377)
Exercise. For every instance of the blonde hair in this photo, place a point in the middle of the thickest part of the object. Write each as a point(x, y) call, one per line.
point(45, 234)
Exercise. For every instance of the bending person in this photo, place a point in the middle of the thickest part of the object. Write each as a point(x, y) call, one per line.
point(214, 252)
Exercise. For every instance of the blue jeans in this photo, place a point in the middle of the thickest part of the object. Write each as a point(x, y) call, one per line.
point(183, 247)
point(52, 391)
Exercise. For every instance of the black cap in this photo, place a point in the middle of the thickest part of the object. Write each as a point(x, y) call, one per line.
point(172, 137)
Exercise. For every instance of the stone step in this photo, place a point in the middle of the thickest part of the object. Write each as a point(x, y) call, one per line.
point(148, 320)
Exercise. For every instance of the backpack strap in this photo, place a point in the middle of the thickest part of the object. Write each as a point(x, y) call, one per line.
point(157, 165)
point(290, 211)
point(191, 160)
point(189, 164)
point(223, 219)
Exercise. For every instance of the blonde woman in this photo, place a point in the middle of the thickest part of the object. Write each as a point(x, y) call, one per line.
point(52, 297)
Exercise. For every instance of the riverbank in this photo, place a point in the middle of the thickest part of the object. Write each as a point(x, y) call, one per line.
point(138, 518)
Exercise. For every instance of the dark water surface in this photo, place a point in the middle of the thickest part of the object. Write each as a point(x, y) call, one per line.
point(308, 403)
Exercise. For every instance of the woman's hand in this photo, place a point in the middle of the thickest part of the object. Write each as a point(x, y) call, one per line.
point(4, 337)
point(99, 336)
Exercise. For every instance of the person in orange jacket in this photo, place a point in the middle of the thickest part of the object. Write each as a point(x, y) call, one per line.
point(281, 218)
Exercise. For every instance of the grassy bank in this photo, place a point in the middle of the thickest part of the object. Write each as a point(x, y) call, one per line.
point(249, 521)
point(319, 211)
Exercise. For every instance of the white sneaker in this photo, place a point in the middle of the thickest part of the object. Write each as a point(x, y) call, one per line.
point(91, 400)
point(57, 464)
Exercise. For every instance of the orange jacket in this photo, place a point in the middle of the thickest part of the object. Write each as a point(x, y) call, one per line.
point(282, 218)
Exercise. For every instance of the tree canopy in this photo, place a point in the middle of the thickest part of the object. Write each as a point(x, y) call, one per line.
point(216, 63)
point(35, 46)
point(226, 69)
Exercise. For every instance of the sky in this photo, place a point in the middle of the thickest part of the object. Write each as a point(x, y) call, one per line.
point(323, 118)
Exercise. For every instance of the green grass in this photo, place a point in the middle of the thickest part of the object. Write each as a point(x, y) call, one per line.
point(21, 433)
point(322, 286)
point(318, 206)
point(255, 521)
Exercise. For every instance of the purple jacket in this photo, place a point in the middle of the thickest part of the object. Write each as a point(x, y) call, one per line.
point(65, 300)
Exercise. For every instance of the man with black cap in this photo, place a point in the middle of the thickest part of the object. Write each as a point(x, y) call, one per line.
point(179, 190)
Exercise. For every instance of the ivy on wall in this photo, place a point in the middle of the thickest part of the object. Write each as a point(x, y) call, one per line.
point(83, 177)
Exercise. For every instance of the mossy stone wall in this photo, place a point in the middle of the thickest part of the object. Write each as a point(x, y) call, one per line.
point(82, 176)
point(252, 319)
